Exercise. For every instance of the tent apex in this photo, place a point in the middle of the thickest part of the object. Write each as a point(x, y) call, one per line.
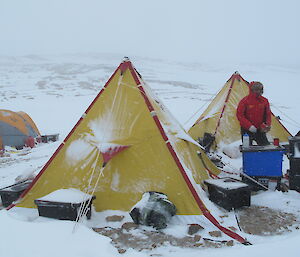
point(236, 75)
point(126, 59)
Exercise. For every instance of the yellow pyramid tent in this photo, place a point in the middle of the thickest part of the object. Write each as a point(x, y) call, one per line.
point(219, 119)
point(125, 144)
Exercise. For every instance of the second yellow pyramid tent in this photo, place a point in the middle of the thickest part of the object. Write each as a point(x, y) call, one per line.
point(219, 118)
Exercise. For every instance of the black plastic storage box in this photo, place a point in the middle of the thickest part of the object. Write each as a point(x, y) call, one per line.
point(62, 210)
point(49, 138)
point(294, 157)
point(294, 180)
point(228, 193)
point(12, 193)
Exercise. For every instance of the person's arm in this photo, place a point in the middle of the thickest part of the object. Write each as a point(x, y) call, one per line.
point(240, 114)
point(268, 114)
point(266, 125)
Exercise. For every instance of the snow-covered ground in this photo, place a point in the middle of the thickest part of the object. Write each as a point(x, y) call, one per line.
point(56, 90)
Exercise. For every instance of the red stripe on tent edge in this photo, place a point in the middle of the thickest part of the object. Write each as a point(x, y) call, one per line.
point(73, 129)
point(92, 103)
point(135, 76)
point(201, 205)
point(106, 84)
point(231, 77)
point(234, 76)
point(65, 140)
point(149, 105)
point(244, 80)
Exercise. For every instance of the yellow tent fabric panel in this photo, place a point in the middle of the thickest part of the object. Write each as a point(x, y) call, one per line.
point(229, 128)
point(210, 117)
point(278, 131)
point(185, 148)
point(119, 116)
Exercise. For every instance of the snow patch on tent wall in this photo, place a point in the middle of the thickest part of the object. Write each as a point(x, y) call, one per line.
point(176, 132)
point(99, 137)
point(102, 129)
point(77, 151)
point(115, 181)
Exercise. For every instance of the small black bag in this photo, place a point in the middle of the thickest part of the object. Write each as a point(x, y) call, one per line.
point(154, 209)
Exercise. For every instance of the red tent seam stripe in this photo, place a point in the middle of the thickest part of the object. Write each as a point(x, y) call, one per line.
point(227, 97)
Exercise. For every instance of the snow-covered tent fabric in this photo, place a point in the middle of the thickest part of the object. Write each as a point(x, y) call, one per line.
point(219, 118)
point(16, 127)
point(125, 144)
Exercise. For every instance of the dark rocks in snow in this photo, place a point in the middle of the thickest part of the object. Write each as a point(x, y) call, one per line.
point(140, 239)
point(197, 238)
point(120, 250)
point(212, 244)
point(232, 228)
point(216, 233)
point(260, 220)
point(129, 225)
point(194, 228)
point(230, 243)
point(114, 218)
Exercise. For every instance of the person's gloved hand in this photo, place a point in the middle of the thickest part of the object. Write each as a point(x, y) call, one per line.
point(253, 129)
point(265, 128)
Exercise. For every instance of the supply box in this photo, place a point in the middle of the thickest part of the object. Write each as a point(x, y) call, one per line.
point(12, 193)
point(228, 193)
point(62, 210)
point(263, 161)
point(294, 157)
point(49, 138)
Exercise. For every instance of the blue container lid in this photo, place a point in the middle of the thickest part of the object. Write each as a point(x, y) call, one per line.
point(263, 163)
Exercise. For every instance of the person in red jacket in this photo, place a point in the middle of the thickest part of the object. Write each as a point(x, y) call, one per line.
point(254, 114)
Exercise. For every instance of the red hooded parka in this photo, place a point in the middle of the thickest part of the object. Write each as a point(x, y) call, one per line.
point(254, 110)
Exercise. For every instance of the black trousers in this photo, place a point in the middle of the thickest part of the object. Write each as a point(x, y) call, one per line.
point(259, 137)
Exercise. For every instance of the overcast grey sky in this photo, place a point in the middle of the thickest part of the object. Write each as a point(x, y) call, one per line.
point(211, 30)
